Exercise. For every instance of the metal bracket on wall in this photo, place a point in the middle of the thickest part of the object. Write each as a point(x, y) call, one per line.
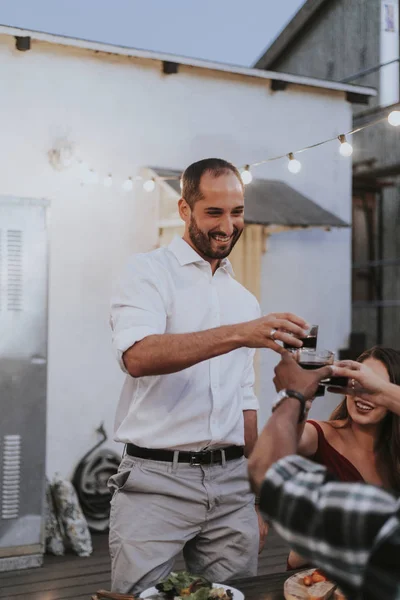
point(170, 68)
point(23, 43)
point(278, 86)
point(354, 98)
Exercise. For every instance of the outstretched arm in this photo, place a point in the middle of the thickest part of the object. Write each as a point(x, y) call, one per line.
point(139, 317)
point(368, 385)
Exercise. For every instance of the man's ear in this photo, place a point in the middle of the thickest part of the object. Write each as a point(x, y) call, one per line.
point(184, 210)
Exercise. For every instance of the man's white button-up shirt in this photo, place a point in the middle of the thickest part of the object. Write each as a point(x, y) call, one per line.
point(172, 290)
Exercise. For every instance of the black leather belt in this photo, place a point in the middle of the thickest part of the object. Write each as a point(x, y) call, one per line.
point(205, 457)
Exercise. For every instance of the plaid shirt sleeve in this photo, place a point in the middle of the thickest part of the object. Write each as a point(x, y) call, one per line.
point(350, 530)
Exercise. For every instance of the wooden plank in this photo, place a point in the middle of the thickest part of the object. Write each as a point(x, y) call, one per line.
point(70, 577)
point(45, 574)
point(55, 584)
point(64, 594)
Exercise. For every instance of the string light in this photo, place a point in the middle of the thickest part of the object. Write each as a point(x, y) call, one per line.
point(246, 175)
point(345, 148)
point(107, 181)
point(294, 165)
point(394, 118)
point(127, 186)
point(149, 185)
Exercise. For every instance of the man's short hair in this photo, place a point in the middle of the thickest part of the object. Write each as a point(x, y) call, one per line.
point(190, 181)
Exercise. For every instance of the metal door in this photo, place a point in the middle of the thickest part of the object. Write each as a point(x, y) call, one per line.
point(23, 366)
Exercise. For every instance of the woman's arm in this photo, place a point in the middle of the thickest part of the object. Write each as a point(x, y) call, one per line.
point(308, 444)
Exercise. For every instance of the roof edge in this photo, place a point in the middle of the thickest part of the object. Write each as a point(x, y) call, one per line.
point(191, 62)
point(288, 33)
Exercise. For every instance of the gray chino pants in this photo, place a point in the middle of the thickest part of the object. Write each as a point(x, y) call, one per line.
point(160, 508)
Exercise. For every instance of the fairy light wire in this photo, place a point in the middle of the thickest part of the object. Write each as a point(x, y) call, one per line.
point(317, 144)
point(293, 153)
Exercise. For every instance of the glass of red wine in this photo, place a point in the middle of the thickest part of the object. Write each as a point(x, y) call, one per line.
point(310, 358)
point(309, 341)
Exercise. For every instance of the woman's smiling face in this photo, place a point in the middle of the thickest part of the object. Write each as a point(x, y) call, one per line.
point(361, 411)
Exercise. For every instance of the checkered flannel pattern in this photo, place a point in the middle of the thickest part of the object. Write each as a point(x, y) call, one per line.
point(350, 530)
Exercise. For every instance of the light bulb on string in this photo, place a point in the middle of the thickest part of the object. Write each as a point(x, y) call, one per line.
point(294, 165)
point(345, 148)
point(394, 118)
point(127, 186)
point(149, 185)
point(107, 181)
point(246, 175)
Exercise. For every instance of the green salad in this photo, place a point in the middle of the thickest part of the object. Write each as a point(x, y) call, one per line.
point(191, 587)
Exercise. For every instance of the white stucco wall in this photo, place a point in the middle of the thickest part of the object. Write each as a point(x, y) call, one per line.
point(309, 272)
point(122, 114)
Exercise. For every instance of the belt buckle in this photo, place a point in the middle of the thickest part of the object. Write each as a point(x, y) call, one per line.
point(195, 459)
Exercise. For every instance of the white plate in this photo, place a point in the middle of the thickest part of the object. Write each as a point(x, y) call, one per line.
point(153, 592)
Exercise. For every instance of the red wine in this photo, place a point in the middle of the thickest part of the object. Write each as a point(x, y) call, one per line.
point(308, 342)
point(337, 381)
point(311, 365)
point(333, 381)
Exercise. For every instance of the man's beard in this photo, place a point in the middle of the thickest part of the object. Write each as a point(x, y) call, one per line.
point(202, 241)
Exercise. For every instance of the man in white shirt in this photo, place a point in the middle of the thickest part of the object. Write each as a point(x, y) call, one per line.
point(185, 332)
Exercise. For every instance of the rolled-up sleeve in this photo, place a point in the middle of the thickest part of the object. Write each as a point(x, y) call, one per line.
point(250, 401)
point(137, 306)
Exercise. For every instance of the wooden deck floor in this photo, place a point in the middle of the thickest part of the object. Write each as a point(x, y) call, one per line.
point(73, 578)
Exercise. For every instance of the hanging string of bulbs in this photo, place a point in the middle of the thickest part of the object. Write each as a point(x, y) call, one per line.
point(293, 165)
point(90, 176)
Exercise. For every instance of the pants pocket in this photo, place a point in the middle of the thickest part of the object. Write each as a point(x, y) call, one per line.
point(120, 480)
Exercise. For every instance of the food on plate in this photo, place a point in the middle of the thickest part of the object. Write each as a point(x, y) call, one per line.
point(220, 594)
point(312, 584)
point(191, 587)
point(182, 584)
point(316, 577)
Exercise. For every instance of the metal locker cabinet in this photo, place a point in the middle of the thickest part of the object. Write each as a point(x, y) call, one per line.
point(23, 373)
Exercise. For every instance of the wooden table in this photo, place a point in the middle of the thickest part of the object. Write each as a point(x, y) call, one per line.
point(264, 587)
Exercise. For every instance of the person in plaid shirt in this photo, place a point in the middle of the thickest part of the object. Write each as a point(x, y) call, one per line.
point(350, 530)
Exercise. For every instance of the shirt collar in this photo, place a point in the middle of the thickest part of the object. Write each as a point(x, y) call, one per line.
point(186, 255)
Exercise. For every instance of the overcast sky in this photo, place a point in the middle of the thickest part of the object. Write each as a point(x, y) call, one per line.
point(231, 31)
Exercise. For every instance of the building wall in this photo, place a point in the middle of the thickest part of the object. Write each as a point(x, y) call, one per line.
point(341, 40)
point(381, 143)
point(122, 114)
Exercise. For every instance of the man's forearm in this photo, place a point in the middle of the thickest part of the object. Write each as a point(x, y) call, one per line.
point(250, 431)
point(278, 439)
point(169, 353)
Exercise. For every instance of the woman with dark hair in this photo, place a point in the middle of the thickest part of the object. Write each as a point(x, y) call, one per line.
point(361, 441)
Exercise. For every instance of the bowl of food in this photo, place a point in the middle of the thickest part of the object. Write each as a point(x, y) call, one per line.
point(186, 586)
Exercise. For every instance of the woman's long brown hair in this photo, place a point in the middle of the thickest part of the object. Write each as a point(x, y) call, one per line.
point(387, 446)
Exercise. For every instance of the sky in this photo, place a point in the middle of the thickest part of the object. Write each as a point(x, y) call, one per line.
point(229, 31)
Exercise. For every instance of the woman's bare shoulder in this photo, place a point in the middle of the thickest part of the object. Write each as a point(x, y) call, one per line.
point(333, 429)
